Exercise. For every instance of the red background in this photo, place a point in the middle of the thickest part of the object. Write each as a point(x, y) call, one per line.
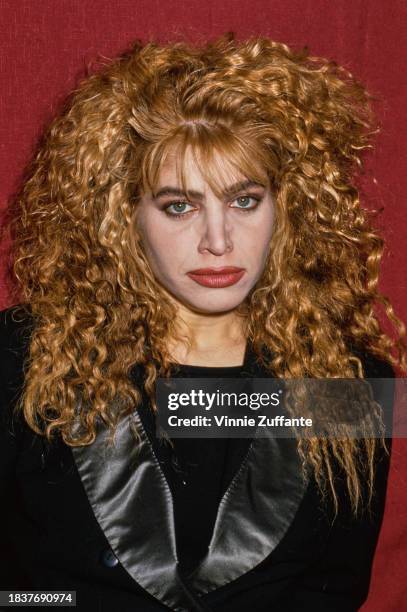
point(45, 47)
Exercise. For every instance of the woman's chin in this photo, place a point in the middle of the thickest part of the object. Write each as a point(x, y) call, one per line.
point(213, 305)
point(207, 301)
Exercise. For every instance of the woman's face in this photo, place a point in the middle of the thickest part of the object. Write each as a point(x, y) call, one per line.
point(189, 241)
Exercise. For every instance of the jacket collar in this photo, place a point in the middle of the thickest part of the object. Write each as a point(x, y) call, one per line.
point(133, 505)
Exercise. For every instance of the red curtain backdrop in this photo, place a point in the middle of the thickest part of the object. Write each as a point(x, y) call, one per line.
point(46, 46)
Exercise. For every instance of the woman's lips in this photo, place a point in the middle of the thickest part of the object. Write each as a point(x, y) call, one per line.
point(217, 277)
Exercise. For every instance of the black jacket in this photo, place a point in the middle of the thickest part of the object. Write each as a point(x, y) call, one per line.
point(110, 524)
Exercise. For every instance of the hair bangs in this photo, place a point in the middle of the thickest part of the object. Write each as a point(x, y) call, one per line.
point(222, 156)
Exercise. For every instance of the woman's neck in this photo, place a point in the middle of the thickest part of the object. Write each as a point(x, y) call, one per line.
point(219, 356)
point(212, 340)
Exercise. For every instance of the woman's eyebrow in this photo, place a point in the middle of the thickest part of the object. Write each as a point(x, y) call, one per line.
point(229, 191)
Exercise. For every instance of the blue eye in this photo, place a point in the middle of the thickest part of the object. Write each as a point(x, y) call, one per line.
point(244, 202)
point(178, 209)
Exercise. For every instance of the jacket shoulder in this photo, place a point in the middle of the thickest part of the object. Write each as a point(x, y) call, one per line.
point(15, 330)
point(16, 325)
point(373, 366)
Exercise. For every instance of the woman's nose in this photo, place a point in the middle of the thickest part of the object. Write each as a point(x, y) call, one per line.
point(216, 233)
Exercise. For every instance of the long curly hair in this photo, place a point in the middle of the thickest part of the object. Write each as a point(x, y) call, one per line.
point(300, 121)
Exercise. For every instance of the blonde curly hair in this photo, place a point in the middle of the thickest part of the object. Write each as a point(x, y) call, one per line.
point(278, 114)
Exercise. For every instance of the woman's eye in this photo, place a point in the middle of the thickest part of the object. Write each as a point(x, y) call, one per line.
point(244, 202)
point(181, 209)
point(178, 209)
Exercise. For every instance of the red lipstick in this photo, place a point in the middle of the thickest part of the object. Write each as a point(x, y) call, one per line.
point(217, 277)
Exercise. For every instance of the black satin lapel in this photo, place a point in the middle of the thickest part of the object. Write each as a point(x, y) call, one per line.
point(259, 505)
point(254, 514)
point(133, 505)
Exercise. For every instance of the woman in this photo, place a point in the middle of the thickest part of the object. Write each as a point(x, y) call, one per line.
point(192, 213)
